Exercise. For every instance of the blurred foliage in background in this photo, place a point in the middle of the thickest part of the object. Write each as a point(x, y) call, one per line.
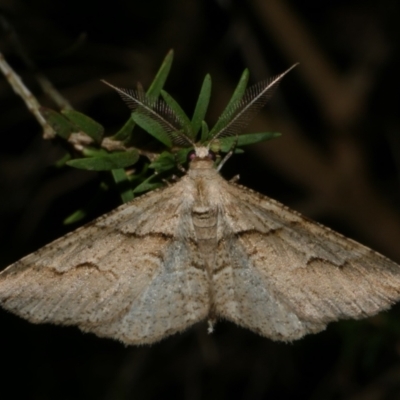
point(337, 161)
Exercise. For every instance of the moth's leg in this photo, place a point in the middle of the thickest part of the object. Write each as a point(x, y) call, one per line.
point(181, 168)
point(235, 179)
point(211, 323)
point(228, 155)
point(173, 179)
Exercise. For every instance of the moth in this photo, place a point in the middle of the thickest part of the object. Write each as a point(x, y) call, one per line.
point(202, 248)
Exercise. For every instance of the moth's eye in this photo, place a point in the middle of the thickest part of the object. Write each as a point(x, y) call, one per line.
point(191, 155)
point(212, 155)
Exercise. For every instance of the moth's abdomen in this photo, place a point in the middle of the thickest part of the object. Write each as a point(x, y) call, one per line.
point(204, 222)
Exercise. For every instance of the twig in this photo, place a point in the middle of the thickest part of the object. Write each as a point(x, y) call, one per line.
point(79, 140)
point(26, 95)
point(48, 88)
point(115, 145)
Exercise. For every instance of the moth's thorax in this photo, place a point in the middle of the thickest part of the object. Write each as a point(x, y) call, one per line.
point(202, 167)
point(203, 176)
point(205, 186)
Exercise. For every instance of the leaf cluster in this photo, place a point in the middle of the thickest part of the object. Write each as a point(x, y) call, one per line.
point(160, 115)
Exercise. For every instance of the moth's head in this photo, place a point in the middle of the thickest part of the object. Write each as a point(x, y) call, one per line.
point(201, 157)
point(203, 153)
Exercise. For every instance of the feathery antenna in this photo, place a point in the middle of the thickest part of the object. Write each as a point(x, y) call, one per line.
point(156, 109)
point(254, 98)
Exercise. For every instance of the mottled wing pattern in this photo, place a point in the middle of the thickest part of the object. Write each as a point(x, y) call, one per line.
point(284, 276)
point(128, 275)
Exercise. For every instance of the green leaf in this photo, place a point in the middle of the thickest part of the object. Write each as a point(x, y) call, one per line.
point(106, 162)
point(62, 161)
point(59, 123)
point(147, 185)
point(153, 92)
point(236, 97)
point(204, 132)
point(202, 104)
point(123, 184)
point(183, 118)
point(125, 132)
point(84, 211)
point(164, 162)
point(153, 127)
point(161, 76)
point(75, 217)
point(85, 124)
point(226, 144)
point(93, 152)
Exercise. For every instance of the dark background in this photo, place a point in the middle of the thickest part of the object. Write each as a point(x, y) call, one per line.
point(337, 162)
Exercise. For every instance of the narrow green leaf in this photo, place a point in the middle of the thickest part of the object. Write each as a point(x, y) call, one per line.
point(123, 184)
point(164, 162)
point(85, 124)
point(161, 76)
point(153, 127)
point(183, 118)
point(59, 123)
point(218, 147)
point(106, 162)
point(202, 104)
point(239, 90)
point(147, 185)
point(236, 97)
point(204, 132)
point(125, 132)
point(62, 161)
point(92, 152)
point(84, 211)
point(154, 91)
point(226, 144)
point(75, 217)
